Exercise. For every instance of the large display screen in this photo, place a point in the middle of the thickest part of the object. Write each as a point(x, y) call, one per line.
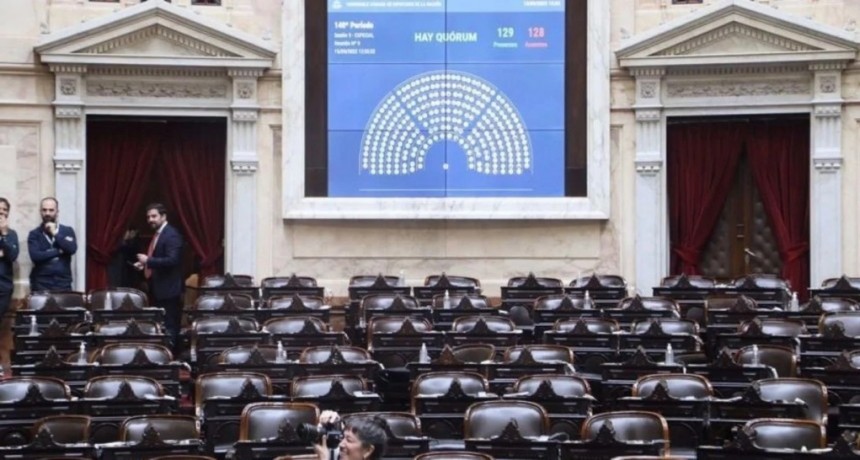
point(446, 98)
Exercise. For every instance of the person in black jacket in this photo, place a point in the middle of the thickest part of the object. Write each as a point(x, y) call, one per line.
point(162, 267)
point(51, 248)
point(8, 256)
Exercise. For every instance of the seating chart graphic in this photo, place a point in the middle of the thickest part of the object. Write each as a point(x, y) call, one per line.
point(450, 106)
point(446, 98)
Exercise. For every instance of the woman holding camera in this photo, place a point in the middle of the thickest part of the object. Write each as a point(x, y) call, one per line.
point(363, 439)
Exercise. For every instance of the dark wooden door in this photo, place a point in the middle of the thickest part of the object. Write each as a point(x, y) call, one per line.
point(742, 241)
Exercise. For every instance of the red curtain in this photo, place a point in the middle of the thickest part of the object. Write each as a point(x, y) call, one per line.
point(779, 161)
point(702, 160)
point(120, 156)
point(192, 165)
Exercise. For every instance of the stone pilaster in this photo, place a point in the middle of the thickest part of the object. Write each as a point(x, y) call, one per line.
point(244, 161)
point(651, 242)
point(825, 189)
point(69, 154)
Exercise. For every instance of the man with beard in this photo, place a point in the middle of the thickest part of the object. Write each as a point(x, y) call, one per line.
point(51, 247)
point(162, 267)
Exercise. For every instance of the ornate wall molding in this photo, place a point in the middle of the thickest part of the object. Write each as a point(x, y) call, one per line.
point(827, 165)
point(68, 111)
point(244, 166)
point(647, 71)
point(827, 84)
point(648, 115)
point(172, 90)
point(737, 29)
point(752, 69)
point(147, 71)
point(160, 31)
point(648, 167)
point(245, 115)
point(648, 89)
point(245, 73)
point(245, 90)
point(68, 166)
point(69, 86)
point(700, 89)
point(828, 110)
point(831, 65)
point(67, 68)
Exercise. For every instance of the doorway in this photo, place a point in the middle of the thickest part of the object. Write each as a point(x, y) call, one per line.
point(134, 161)
point(742, 241)
point(738, 192)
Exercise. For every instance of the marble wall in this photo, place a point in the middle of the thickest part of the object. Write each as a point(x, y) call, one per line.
point(333, 250)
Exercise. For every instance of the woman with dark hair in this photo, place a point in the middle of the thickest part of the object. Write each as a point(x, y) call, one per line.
point(364, 438)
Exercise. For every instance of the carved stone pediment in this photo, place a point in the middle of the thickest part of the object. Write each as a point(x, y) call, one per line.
point(157, 40)
point(155, 33)
point(737, 32)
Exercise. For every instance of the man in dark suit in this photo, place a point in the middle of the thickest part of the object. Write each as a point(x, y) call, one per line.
point(51, 247)
point(162, 267)
point(8, 255)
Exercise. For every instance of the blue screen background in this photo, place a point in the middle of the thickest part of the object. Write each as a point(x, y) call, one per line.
point(412, 113)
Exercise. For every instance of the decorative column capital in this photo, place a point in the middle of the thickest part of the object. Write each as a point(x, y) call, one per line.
point(827, 165)
point(68, 165)
point(245, 115)
point(648, 167)
point(244, 167)
point(828, 110)
point(643, 115)
point(68, 111)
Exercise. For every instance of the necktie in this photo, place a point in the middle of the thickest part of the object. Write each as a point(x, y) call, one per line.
point(147, 272)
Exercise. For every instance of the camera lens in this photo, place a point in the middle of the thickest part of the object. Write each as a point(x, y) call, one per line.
point(309, 433)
